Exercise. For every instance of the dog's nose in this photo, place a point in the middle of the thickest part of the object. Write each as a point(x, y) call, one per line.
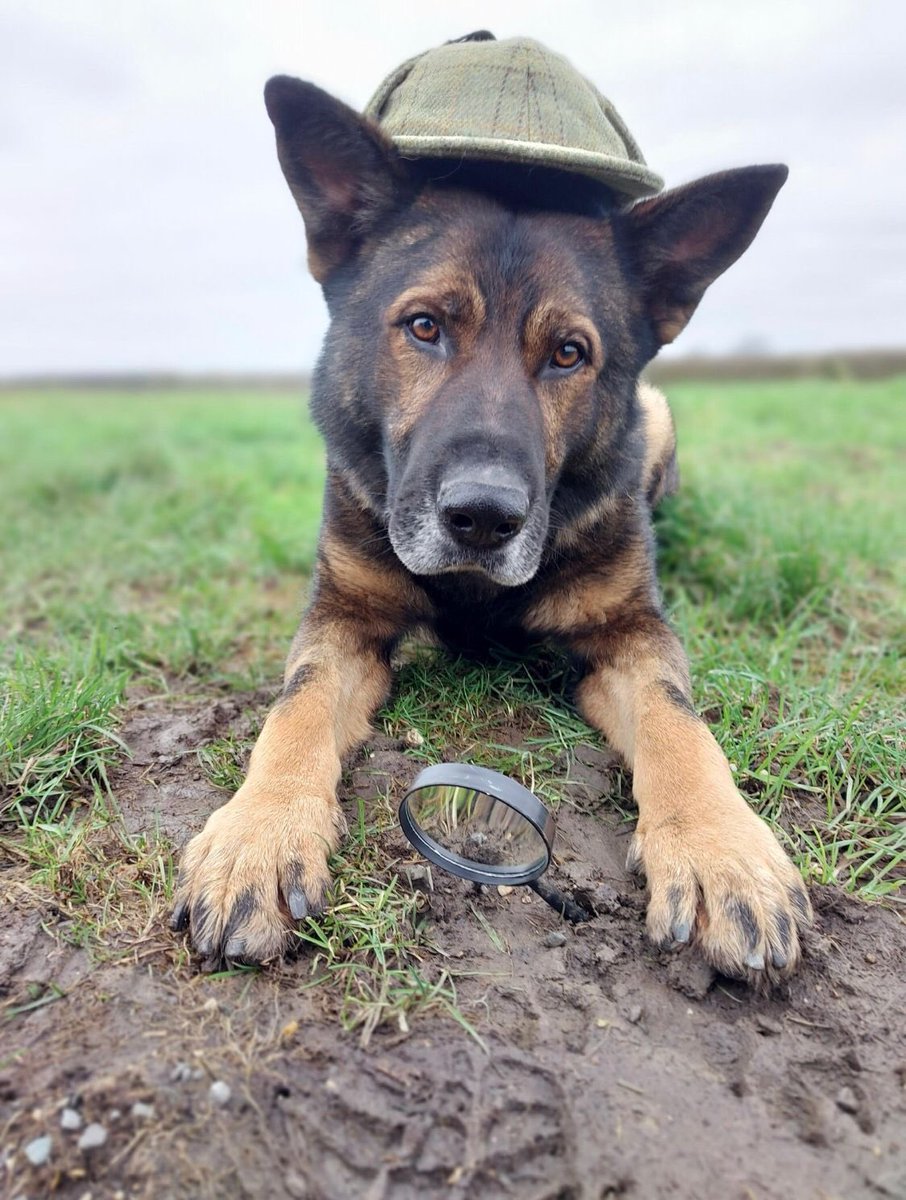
point(482, 515)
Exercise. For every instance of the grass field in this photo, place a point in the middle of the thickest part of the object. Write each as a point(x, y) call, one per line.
point(163, 542)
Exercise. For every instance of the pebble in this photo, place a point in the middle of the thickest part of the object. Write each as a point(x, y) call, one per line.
point(93, 1138)
point(296, 1185)
point(414, 738)
point(605, 899)
point(847, 1100)
point(419, 878)
point(220, 1093)
point(767, 1025)
point(70, 1119)
point(141, 1111)
point(605, 955)
point(634, 1014)
point(181, 1073)
point(38, 1151)
point(557, 938)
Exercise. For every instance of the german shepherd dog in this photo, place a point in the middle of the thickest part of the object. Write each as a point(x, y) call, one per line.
point(493, 461)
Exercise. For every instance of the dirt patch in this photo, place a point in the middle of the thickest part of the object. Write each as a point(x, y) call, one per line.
point(604, 1068)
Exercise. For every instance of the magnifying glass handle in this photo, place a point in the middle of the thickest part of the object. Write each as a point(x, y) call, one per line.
point(568, 909)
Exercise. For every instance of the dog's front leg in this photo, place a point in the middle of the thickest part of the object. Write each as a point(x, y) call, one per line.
point(716, 873)
point(260, 863)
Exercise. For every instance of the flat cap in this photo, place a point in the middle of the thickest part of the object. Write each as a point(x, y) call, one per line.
point(509, 101)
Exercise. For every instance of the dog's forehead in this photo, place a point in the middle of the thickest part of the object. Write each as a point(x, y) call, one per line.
point(466, 240)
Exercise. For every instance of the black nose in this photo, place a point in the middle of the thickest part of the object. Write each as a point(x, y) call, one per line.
point(483, 515)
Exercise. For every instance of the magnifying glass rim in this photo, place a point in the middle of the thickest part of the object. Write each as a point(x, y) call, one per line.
point(498, 787)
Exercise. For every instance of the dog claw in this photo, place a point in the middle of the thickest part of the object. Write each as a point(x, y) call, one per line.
point(755, 962)
point(179, 917)
point(317, 906)
point(681, 932)
point(297, 903)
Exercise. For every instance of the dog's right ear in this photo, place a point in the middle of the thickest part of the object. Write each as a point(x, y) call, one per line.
point(341, 170)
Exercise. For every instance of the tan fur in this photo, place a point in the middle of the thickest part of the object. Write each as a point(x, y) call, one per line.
point(385, 593)
point(703, 850)
point(660, 433)
point(563, 400)
point(449, 294)
point(571, 606)
point(282, 824)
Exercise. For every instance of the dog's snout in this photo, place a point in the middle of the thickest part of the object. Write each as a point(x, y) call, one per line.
point(482, 515)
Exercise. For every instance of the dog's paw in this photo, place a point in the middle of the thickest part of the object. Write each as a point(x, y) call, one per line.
point(720, 880)
point(256, 870)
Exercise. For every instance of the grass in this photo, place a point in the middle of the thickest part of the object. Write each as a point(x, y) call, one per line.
point(369, 946)
point(57, 721)
point(161, 543)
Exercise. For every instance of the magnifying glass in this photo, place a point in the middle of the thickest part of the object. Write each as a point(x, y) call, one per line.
point(485, 827)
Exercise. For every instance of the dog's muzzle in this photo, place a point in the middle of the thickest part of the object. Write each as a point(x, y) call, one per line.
point(481, 519)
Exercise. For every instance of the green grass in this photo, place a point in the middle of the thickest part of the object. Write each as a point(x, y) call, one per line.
point(161, 542)
point(369, 947)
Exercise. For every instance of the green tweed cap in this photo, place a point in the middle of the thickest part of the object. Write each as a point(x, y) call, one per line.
point(509, 101)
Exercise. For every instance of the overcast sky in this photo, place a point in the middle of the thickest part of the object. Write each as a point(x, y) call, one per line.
point(144, 223)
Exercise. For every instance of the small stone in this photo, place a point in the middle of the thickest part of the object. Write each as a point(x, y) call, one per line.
point(70, 1119)
point(419, 878)
point(767, 1025)
point(93, 1138)
point(296, 1185)
point(220, 1093)
point(871, 959)
point(181, 1073)
point(210, 1005)
point(847, 1100)
point(557, 938)
point(605, 955)
point(114, 1114)
point(691, 975)
point(141, 1111)
point(634, 1014)
point(605, 899)
point(505, 890)
point(413, 738)
point(38, 1151)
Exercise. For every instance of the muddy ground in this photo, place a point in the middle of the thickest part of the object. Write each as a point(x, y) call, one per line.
point(607, 1069)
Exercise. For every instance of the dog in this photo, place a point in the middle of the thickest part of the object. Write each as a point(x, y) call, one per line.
point(493, 462)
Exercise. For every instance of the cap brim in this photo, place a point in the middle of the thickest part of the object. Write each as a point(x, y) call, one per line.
point(630, 178)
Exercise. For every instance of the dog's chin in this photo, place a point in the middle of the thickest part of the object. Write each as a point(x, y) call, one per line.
point(501, 567)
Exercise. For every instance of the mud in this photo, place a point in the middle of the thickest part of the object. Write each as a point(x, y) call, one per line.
point(601, 1067)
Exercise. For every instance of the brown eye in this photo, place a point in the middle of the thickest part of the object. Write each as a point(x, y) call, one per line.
point(423, 327)
point(567, 356)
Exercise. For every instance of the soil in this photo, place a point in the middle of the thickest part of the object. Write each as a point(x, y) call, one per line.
point(605, 1068)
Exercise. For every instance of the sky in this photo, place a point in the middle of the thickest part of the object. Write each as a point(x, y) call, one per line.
point(145, 225)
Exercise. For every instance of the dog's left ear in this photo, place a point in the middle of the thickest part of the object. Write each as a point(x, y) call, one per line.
point(342, 171)
point(681, 241)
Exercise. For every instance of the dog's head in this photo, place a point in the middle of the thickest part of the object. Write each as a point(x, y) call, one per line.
point(478, 379)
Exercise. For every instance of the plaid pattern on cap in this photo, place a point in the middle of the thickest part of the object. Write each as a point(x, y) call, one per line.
point(514, 101)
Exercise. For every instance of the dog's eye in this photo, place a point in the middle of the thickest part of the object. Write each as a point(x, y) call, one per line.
point(567, 356)
point(423, 327)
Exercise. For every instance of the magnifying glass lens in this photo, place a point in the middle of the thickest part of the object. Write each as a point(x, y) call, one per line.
point(474, 827)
